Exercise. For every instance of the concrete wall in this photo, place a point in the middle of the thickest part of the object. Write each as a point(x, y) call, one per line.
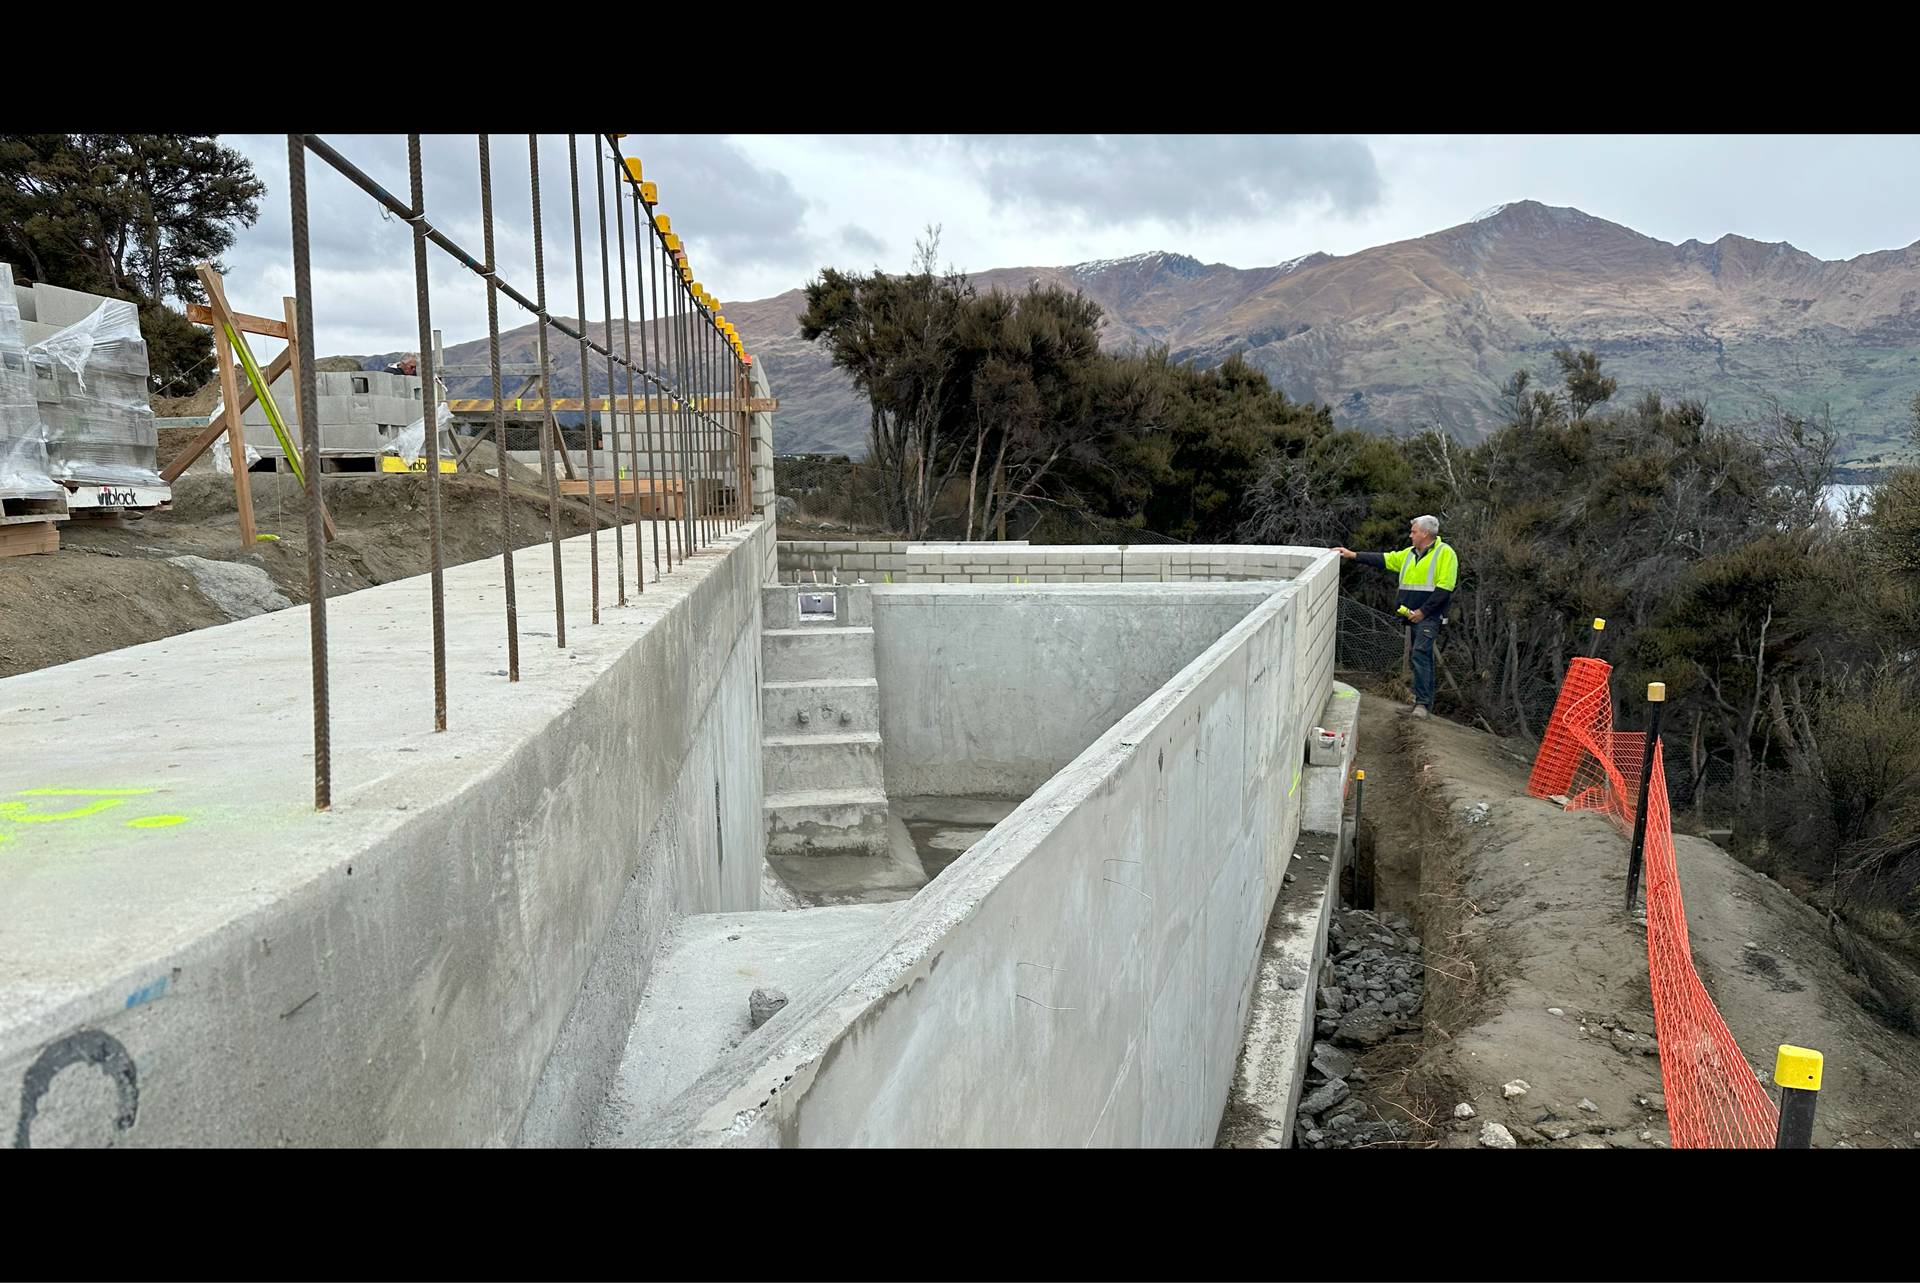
point(453, 954)
point(762, 453)
point(879, 561)
point(1082, 975)
point(990, 690)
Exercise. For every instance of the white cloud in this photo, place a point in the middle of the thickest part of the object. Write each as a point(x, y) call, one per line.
point(761, 213)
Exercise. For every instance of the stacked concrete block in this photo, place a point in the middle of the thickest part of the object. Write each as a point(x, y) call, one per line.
point(90, 389)
point(915, 563)
point(359, 413)
point(762, 433)
point(23, 452)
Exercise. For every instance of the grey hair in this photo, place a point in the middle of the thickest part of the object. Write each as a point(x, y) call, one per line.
point(1428, 523)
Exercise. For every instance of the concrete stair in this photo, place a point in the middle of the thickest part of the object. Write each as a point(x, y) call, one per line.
point(801, 763)
point(820, 744)
point(827, 822)
point(815, 651)
point(830, 706)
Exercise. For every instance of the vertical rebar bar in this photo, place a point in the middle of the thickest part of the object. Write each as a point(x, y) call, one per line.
point(642, 216)
point(606, 333)
point(678, 293)
point(656, 498)
point(626, 329)
point(499, 409)
point(549, 425)
point(586, 377)
point(310, 448)
point(655, 245)
point(430, 407)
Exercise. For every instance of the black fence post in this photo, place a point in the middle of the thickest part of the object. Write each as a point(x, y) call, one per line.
point(1797, 1072)
point(1657, 696)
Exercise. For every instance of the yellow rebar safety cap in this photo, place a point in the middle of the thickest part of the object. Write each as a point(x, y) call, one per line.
point(1798, 1067)
point(633, 170)
point(662, 222)
point(650, 193)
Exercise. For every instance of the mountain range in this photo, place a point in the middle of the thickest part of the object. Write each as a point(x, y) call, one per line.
point(1424, 331)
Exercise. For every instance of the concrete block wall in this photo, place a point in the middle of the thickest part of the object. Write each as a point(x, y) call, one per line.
point(883, 561)
point(351, 422)
point(1081, 976)
point(454, 953)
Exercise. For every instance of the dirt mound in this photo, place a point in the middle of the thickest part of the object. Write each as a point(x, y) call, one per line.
point(199, 403)
point(111, 585)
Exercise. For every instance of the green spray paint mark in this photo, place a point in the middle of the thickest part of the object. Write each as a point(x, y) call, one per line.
point(18, 812)
point(1296, 782)
point(104, 800)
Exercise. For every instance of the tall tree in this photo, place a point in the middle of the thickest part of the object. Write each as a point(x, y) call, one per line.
point(127, 216)
point(898, 338)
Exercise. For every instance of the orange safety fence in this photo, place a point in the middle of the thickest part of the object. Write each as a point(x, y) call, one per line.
point(1714, 1098)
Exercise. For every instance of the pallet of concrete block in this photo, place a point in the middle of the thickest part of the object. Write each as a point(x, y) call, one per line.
point(31, 501)
point(89, 367)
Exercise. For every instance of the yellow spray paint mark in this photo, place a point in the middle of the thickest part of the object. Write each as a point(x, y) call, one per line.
point(103, 800)
point(1296, 782)
point(20, 814)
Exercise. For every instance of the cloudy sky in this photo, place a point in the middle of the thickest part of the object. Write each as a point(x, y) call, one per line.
point(761, 213)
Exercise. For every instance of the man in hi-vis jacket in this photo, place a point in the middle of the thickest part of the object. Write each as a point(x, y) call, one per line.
point(1428, 570)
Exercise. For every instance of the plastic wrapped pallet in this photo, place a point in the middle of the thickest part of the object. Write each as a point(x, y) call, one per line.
point(411, 442)
point(23, 452)
point(90, 381)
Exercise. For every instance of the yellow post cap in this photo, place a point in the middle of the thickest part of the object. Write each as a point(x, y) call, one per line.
point(673, 242)
point(619, 135)
point(1656, 692)
point(1359, 775)
point(650, 193)
point(1599, 625)
point(662, 222)
point(686, 273)
point(633, 169)
point(1798, 1067)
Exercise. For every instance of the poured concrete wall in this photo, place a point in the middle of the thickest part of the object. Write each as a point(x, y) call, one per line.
point(453, 954)
point(989, 690)
point(1082, 975)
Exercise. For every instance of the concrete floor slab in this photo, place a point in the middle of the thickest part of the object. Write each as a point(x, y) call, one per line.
point(695, 1007)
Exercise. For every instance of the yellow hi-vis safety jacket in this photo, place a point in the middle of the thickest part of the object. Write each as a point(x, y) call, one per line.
point(1423, 576)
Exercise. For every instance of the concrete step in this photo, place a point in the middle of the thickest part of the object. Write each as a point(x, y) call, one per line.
point(799, 763)
point(797, 654)
point(843, 706)
point(852, 605)
point(827, 822)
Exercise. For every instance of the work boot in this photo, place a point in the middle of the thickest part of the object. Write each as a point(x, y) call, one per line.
point(1420, 710)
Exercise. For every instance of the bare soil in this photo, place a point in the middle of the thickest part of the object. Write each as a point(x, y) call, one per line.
point(110, 586)
point(1521, 908)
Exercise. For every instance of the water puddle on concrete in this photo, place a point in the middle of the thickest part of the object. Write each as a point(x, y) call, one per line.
point(929, 834)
